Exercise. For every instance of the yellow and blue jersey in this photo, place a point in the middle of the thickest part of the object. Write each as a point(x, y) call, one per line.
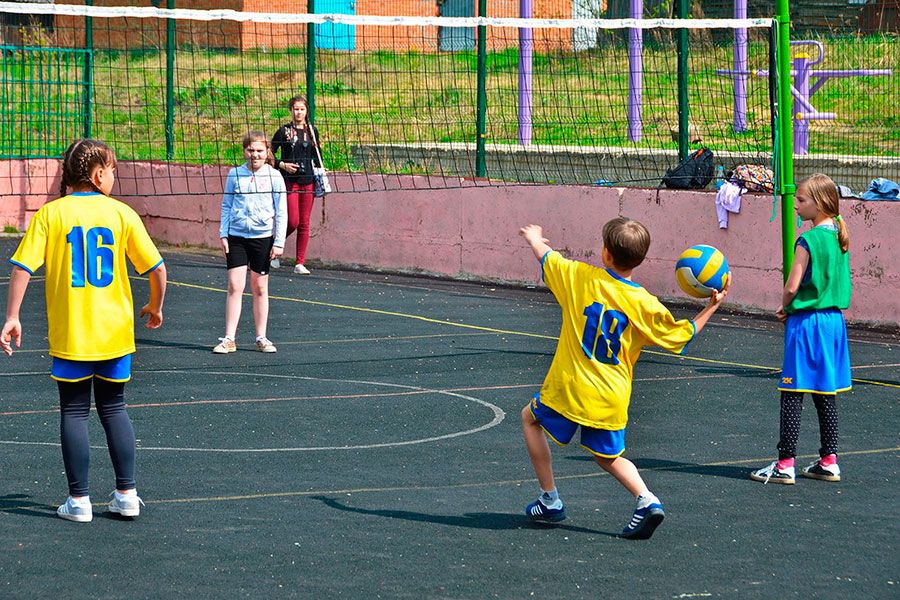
point(83, 240)
point(606, 321)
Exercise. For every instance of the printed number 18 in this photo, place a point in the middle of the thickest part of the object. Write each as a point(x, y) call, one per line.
point(91, 262)
point(602, 333)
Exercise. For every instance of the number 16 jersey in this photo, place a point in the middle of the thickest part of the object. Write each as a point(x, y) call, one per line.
point(82, 240)
point(606, 321)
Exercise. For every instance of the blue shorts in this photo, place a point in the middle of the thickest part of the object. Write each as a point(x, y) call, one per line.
point(601, 442)
point(114, 369)
point(816, 353)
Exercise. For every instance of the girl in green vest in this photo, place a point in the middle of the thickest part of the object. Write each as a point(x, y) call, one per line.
point(816, 352)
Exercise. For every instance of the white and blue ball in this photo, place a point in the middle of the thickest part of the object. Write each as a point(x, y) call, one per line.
point(700, 270)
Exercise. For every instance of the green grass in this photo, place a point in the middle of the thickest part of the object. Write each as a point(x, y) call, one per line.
point(419, 98)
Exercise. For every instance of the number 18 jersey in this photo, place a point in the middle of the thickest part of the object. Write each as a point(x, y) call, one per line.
point(82, 240)
point(606, 321)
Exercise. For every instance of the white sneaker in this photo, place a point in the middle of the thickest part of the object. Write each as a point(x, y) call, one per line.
point(225, 346)
point(773, 474)
point(300, 270)
point(817, 471)
point(76, 510)
point(265, 345)
point(127, 505)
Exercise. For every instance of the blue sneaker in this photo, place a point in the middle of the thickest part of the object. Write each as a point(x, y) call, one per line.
point(538, 511)
point(644, 522)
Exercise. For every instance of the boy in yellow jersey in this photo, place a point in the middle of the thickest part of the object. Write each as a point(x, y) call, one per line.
point(606, 320)
point(83, 240)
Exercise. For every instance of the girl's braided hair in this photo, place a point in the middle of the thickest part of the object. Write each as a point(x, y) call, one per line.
point(80, 160)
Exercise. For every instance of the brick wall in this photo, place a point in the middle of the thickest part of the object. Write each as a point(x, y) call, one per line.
point(151, 33)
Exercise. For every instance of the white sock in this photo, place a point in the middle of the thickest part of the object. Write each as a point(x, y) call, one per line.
point(550, 499)
point(646, 499)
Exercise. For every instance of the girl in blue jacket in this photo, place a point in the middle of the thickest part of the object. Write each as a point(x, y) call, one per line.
point(252, 230)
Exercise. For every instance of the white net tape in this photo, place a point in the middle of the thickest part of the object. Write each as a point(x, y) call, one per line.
point(295, 18)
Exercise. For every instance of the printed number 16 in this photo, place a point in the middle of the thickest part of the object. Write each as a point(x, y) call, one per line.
point(602, 333)
point(90, 258)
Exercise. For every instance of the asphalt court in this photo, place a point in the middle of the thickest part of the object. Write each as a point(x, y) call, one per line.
point(379, 453)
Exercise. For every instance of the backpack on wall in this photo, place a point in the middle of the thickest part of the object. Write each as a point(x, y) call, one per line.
point(693, 173)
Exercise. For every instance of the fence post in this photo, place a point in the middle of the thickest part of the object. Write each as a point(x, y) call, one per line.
point(785, 144)
point(683, 106)
point(311, 63)
point(170, 84)
point(87, 100)
point(481, 119)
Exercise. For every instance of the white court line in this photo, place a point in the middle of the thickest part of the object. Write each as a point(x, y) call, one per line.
point(499, 415)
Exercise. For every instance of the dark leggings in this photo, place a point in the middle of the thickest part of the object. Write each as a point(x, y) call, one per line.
point(75, 409)
point(791, 408)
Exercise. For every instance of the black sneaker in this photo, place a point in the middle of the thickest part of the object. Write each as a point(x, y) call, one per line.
point(817, 471)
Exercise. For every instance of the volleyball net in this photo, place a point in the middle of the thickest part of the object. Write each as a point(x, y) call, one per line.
point(422, 102)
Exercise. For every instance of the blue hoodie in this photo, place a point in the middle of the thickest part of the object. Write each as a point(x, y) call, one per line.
point(254, 205)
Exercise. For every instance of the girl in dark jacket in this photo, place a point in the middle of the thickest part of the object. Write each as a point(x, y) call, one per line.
point(294, 146)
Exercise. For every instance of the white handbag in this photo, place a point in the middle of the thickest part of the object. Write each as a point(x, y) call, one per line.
point(320, 175)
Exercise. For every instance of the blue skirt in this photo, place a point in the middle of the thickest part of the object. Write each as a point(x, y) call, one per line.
point(816, 353)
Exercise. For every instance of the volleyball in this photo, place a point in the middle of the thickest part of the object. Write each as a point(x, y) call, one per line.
point(700, 270)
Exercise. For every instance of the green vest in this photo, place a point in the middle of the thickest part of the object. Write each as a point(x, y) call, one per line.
point(829, 283)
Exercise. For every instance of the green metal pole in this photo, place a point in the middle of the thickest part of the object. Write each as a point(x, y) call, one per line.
point(481, 119)
point(170, 84)
point(683, 106)
point(785, 147)
point(311, 62)
point(88, 73)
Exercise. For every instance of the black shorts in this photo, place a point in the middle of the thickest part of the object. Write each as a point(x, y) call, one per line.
point(254, 252)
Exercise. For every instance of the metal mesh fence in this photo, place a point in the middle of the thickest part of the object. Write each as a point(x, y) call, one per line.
point(556, 102)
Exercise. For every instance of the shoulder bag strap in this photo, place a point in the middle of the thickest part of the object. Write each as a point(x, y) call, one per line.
point(312, 133)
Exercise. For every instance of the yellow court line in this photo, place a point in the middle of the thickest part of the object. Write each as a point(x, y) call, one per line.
point(378, 311)
point(456, 486)
point(388, 338)
point(505, 331)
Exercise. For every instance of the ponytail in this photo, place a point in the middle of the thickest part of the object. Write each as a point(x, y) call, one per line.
point(843, 233)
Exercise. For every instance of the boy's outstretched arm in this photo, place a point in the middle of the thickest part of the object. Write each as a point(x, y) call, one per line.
point(12, 329)
point(153, 309)
point(714, 301)
point(534, 235)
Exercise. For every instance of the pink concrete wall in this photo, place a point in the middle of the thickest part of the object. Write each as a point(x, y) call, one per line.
point(472, 232)
point(25, 185)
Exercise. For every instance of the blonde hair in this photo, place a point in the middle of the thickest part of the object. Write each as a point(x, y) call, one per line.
point(627, 242)
point(824, 193)
point(259, 136)
point(80, 160)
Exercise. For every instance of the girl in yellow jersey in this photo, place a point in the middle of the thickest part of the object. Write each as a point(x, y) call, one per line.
point(83, 240)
